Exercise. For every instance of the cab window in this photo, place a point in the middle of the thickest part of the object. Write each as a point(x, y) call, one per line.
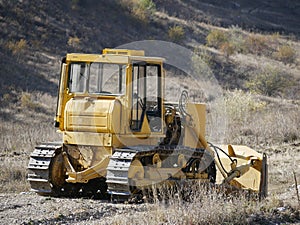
point(97, 78)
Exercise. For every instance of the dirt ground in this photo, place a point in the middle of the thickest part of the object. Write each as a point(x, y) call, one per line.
point(29, 208)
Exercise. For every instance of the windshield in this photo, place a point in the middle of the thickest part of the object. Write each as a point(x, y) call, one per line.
point(97, 78)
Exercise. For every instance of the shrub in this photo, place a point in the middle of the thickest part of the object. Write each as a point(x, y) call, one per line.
point(5, 99)
point(27, 102)
point(74, 4)
point(205, 55)
point(147, 5)
point(17, 47)
point(286, 54)
point(227, 49)
point(74, 41)
point(216, 38)
point(237, 39)
point(203, 61)
point(176, 33)
point(141, 9)
point(256, 44)
point(239, 104)
point(270, 81)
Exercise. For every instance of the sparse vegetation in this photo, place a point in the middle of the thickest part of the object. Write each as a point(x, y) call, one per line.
point(140, 9)
point(242, 114)
point(237, 39)
point(265, 62)
point(13, 175)
point(74, 42)
point(286, 54)
point(206, 207)
point(216, 38)
point(17, 47)
point(74, 4)
point(176, 33)
point(227, 49)
point(270, 81)
point(256, 44)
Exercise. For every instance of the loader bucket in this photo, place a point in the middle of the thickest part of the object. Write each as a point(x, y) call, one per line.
point(253, 177)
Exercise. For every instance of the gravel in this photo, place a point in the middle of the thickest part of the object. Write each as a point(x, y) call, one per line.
point(30, 208)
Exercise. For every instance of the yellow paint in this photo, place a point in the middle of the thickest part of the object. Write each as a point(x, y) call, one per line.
point(103, 123)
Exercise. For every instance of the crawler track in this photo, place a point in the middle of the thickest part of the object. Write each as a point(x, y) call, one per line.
point(121, 187)
point(39, 168)
point(46, 160)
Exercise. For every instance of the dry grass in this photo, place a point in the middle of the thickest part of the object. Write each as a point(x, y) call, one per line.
point(286, 54)
point(207, 207)
point(245, 114)
point(266, 124)
point(235, 40)
point(26, 120)
point(13, 174)
point(253, 120)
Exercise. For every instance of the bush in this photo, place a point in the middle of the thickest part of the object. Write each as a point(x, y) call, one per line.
point(216, 38)
point(237, 39)
point(203, 62)
point(17, 47)
point(205, 55)
point(176, 33)
point(221, 40)
point(256, 44)
point(240, 104)
point(26, 102)
point(74, 41)
point(74, 4)
point(141, 9)
point(227, 49)
point(147, 5)
point(285, 54)
point(270, 81)
point(5, 99)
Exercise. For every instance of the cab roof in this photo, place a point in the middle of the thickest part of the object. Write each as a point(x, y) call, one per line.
point(119, 56)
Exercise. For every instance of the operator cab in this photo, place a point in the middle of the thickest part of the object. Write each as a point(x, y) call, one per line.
point(124, 77)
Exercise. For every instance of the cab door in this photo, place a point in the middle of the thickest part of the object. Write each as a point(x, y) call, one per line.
point(146, 101)
point(138, 96)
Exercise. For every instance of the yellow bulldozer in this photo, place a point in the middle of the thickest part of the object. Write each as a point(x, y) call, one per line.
point(120, 136)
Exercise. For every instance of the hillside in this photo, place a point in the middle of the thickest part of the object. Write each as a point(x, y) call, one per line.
point(250, 48)
point(260, 16)
point(50, 30)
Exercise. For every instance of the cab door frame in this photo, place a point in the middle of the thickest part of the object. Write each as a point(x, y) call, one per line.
point(146, 113)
